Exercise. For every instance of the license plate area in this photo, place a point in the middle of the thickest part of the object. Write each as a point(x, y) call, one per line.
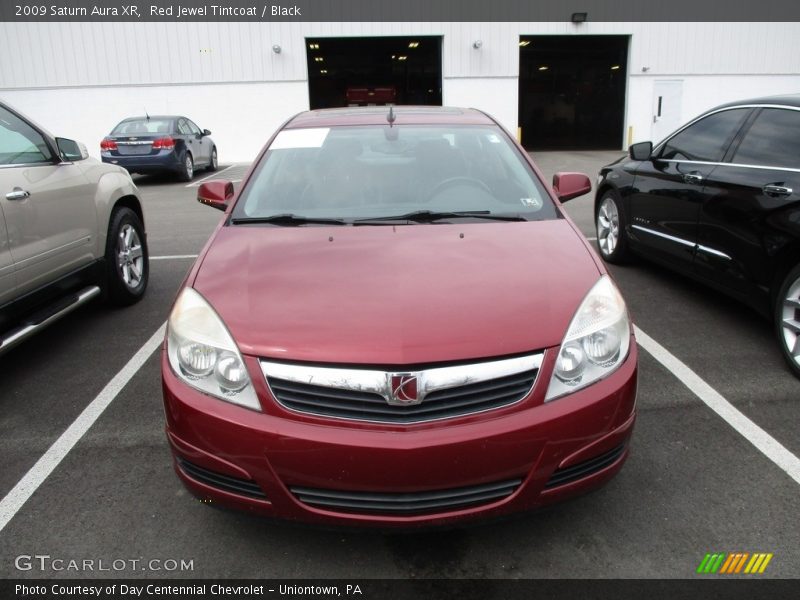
point(128, 148)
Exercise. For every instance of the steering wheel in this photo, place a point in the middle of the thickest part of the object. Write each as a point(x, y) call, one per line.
point(460, 180)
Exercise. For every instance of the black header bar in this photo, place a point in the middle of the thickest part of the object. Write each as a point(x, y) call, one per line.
point(717, 588)
point(399, 10)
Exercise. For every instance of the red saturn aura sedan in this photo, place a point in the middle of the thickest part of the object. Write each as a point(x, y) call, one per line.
point(395, 324)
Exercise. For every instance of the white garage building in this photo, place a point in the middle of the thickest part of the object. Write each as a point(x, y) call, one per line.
point(241, 80)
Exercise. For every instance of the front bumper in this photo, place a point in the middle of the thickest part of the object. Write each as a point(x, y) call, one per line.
point(267, 462)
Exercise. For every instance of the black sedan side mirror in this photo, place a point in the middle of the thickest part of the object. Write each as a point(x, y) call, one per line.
point(641, 151)
point(206, 132)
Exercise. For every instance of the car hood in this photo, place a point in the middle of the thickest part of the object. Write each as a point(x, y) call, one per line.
point(396, 295)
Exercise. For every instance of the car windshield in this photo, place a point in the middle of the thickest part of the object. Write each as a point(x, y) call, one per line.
point(143, 127)
point(411, 172)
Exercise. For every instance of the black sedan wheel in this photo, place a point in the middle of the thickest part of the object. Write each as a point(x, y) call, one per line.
point(213, 164)
point(787, 319)
point(610, 223)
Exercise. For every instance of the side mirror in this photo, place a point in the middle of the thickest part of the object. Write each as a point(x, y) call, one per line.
point(216, 193)
point(70, 150)
point(641, 151)
point(571, 185)
point(206, 132)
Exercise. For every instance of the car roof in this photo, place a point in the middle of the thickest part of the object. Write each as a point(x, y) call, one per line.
point(152, 118)
point(792, 100)
point(377, 115)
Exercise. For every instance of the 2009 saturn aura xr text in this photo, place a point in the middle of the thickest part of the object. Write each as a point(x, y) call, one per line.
point(395, 324)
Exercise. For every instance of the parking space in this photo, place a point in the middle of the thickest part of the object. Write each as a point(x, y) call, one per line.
point(234, 173)
point(693, 484)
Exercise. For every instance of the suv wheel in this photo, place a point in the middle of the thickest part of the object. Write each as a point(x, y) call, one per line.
point(126, 258)
point(187, 172)
point(612, 240)
point(787, 319)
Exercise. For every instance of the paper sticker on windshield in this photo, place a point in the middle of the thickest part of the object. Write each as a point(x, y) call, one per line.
point(300, 138)
point(532, 203)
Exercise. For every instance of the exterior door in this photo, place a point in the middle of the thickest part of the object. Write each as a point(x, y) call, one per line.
point(667, 96)
point(671, 187)
point(201, 144)
point(7, 279)
point(49, 206)
point(739, 221)
point(193, 139)
point(185, 134)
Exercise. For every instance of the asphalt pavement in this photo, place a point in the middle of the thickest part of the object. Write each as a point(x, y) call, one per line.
point(693, 483)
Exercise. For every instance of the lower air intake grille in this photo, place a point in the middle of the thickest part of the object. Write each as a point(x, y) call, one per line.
point(234, 485)
point(585, 468)
point(406, 503)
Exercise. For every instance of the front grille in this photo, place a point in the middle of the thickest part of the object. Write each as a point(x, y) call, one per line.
point(406, 503)
point(585, 468)
point(234, 485)
point(369, 406)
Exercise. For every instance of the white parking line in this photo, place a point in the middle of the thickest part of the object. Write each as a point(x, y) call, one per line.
point(19, 495)
point(173, 257)
point(764, 442)
point(214, 175)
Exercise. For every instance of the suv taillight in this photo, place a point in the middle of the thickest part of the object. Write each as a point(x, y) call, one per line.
point(166, 143)
point(108, 144)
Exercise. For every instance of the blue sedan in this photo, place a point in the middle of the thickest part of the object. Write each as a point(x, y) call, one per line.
point(160, 143)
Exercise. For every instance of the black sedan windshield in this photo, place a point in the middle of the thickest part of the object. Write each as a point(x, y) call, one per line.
point(370, 172)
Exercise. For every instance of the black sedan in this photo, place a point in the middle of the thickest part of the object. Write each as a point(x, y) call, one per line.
point(718, 200)
point(160, 143)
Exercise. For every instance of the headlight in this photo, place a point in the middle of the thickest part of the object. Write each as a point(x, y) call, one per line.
point(596, 343)
point(203, 354)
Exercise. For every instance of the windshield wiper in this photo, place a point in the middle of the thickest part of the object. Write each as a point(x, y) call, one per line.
point(288, 219)
point(428, 216)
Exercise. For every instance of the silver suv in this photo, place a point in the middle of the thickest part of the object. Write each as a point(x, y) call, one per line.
point(71, 229)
